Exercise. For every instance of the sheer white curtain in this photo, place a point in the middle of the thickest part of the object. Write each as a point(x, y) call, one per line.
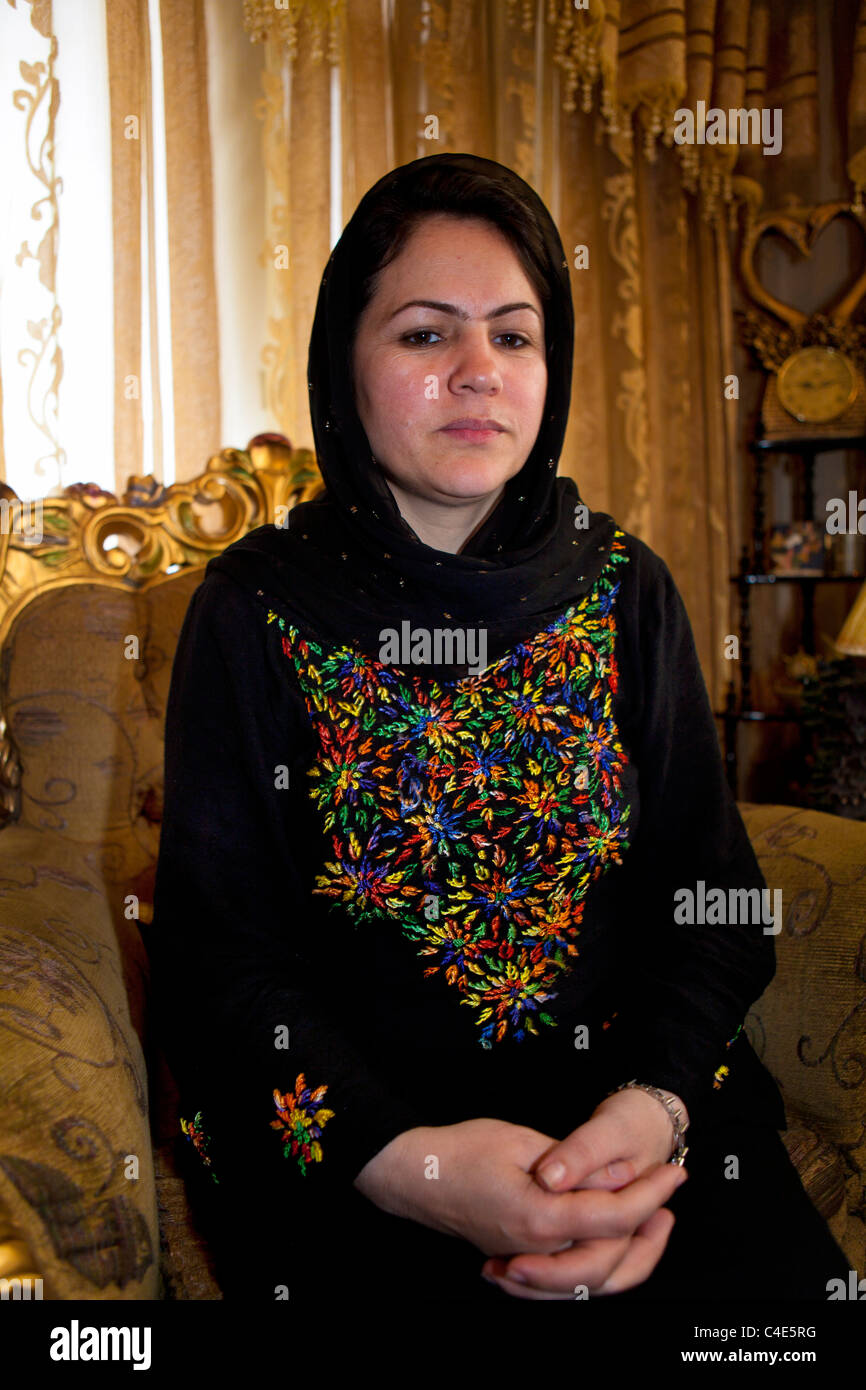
point(133, 262)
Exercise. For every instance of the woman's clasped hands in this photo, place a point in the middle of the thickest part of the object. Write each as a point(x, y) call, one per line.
point(599, 1228)
point(617, 1163)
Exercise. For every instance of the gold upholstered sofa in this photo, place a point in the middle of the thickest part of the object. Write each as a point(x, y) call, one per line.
point(93, 591)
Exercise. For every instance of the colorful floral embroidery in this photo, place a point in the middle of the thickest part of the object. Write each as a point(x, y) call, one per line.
point(475, 813)
point(302, 1120)
point(195, 1130)
point(722, 1072)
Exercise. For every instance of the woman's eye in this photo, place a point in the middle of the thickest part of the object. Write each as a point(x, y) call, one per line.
point(421, 332)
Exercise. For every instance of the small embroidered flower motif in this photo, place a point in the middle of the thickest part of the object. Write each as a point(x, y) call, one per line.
point(722, 1072)
point(302, 1120)
point(195, 1131)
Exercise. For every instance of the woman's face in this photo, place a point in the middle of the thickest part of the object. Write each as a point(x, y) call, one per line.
point(475, 350)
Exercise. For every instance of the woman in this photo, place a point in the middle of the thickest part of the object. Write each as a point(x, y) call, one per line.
point(439, 755)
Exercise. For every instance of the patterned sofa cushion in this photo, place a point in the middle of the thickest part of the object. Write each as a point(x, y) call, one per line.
point(809, 1026)
point(76, 1167)
point(86, 678)
point(86, 674)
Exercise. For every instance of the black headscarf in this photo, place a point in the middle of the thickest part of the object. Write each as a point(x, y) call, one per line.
point(348, 565)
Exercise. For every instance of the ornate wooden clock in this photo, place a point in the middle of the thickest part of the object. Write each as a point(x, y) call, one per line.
point(815, 364)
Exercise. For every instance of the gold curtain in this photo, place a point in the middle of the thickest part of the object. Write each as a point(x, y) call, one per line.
point(128, 53)
point(193, 329)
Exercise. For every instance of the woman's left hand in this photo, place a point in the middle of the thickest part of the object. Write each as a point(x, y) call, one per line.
point(625, 1135)
point(629, 1133)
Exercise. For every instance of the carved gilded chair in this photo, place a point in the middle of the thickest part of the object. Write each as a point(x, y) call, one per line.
point(93, 592)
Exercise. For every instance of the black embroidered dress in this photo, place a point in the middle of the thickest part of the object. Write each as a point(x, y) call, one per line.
point(395, 896)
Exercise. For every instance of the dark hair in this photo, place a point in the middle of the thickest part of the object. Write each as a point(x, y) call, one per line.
point(384, 226)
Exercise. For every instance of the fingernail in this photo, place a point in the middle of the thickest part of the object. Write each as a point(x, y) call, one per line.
point(618, 1171)
point(517, 1276)
point(683, 1177)
point(552, 1174)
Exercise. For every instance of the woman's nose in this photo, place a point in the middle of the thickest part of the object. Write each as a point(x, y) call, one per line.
point(475, 362)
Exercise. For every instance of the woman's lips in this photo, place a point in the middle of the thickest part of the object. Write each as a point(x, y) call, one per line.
point(473, 436)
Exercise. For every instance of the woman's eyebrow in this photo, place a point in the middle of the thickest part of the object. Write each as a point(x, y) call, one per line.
point(460, 313)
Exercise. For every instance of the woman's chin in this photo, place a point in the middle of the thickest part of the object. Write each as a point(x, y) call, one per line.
point(469, 481)
point(454, 480)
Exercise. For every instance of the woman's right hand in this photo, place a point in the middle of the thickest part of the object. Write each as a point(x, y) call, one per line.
point(486, 1194)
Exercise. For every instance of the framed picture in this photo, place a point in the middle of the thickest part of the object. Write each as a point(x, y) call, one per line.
point(797, 547)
